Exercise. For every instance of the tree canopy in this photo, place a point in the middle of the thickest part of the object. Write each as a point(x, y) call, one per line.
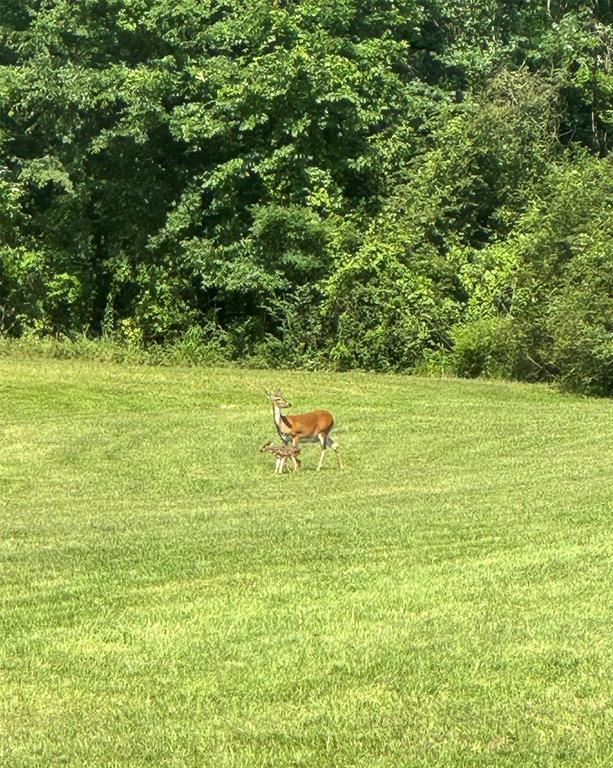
point(385, 184)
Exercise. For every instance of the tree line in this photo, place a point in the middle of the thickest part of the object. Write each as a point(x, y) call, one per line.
point(393, 185)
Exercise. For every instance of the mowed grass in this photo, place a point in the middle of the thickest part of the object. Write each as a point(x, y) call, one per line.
point(444, 600)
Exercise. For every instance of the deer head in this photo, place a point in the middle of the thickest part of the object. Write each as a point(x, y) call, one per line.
point(278, 399)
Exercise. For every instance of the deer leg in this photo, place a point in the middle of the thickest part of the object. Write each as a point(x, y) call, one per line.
point(321, 457)
point(279, 466)
point(335, 447)
point(322, 441)
point(296, 444)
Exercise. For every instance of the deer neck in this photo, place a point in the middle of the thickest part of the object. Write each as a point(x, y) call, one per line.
point(282, 423)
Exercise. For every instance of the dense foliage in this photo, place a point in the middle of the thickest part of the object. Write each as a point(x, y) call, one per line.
point(384, 184)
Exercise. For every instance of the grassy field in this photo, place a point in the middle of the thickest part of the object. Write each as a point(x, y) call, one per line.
point(166, 600)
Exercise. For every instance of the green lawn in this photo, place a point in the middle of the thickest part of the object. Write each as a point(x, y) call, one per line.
point(166, 600)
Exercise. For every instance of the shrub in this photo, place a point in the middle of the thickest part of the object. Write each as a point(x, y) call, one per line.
point(490, 346)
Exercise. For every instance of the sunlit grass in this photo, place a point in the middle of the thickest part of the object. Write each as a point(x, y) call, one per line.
point(168, 601)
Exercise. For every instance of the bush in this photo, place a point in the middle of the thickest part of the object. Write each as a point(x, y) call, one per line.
point(490, 346)
point(539, 301)
point(580, 323)
point(382, 313)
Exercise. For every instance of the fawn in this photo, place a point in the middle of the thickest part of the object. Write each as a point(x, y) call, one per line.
point(283, 453)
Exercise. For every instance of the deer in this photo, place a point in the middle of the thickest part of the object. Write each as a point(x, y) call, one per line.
point(283, 453)
point(311, 427)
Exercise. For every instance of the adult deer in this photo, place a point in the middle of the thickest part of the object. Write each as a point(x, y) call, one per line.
point(311, 427)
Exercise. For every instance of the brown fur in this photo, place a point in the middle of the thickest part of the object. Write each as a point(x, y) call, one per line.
point(314, 426)
point(283, 453)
